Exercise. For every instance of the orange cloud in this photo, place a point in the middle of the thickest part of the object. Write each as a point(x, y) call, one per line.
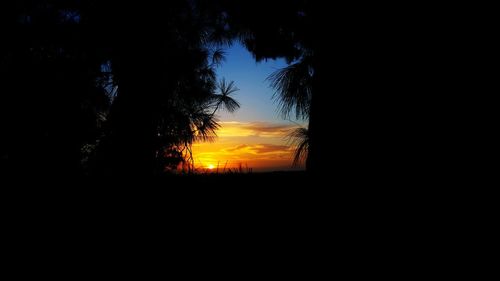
point(258, 145)
point(258, 149)
point(236, 148)
point(270, 148)
point(257, 129)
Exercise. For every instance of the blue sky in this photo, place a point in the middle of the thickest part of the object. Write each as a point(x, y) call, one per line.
point(255, 94)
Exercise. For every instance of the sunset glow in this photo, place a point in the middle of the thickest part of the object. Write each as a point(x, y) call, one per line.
point(254, 137)
point(259, 146)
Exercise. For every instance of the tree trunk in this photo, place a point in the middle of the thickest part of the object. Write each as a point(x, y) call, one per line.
point(129, 149)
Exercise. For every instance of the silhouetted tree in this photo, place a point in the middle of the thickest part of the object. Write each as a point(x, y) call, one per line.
point(49, 91)
point(121, 87)
point(191, 118)
point(163, 65)
point(294, 86)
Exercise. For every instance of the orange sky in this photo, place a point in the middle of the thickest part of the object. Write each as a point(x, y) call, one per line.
point(261, 146)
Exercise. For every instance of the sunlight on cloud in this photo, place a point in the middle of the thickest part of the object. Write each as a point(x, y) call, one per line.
point(259, 145)
point(260, 129)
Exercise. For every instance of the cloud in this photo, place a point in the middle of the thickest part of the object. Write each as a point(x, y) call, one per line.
point(260, 145)
point(262, 149)
point(259, 129)
point(236, 148)
point(270, 148)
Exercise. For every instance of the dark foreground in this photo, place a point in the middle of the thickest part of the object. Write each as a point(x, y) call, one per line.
point(246, 180)
point(290, 192)
point(288, 217)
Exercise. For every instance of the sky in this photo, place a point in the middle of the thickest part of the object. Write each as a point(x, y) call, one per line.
point(254, 137)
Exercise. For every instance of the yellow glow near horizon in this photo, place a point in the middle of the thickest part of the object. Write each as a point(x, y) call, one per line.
point(260, 146)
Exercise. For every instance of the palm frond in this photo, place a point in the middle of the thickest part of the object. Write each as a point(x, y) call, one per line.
point(299, 140)
point(218, 57)
point(229, 104)
point(227, 89)
point(293, 89)
point(224, 98)
point(205, 127)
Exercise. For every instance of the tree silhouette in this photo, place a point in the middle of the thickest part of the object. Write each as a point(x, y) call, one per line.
point(164, 76)
point(294, 86)
point(189, 119)
point(120, 88)
point(49, 92)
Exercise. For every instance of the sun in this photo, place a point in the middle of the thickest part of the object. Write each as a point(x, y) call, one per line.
point(211, 167)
